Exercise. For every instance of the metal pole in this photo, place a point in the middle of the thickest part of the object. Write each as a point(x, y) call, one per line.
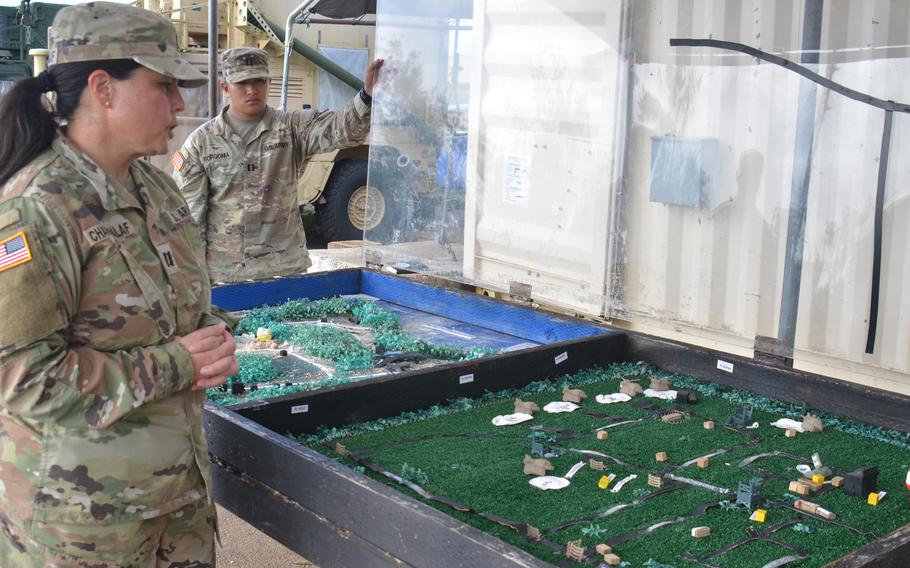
point(288, 46)
point(317, 58)
point(213, 58)
point(878, 230)
point(799, 187)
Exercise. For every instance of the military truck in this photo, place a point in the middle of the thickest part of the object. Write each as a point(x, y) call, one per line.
point(22, 28)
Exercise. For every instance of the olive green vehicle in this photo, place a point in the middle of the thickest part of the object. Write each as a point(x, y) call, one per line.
point(334, 183)
point(23, 28)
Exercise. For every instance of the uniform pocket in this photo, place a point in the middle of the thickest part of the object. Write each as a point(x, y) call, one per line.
point(156, 303)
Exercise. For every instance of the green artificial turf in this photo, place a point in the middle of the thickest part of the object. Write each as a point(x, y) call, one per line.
point(454, 451)
point(294, 322)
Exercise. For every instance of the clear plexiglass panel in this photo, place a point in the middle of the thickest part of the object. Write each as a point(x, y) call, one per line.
point(493, 144)
point(566, 151)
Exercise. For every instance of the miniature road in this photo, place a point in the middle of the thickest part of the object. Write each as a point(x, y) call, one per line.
point(247, 547)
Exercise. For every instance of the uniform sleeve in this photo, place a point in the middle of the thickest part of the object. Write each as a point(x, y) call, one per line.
point(193, 182)
point(328, 130)
point(216, 316)
point(46, 375)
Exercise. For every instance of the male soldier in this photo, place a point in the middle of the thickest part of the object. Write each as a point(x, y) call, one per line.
point(239, 171)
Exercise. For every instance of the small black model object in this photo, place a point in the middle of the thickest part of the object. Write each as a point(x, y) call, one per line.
point(237, 387)
point(686, 397)
point(741, 418)
point(862, 482)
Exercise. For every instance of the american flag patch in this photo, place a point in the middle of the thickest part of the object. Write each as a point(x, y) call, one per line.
point(14, 251)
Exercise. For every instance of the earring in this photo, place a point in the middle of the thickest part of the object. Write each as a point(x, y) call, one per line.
point(107, 104)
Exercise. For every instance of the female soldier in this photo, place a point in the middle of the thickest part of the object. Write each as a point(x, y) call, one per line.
point(108, 337)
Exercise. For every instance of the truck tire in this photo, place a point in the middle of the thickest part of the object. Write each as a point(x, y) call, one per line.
point(352, 207)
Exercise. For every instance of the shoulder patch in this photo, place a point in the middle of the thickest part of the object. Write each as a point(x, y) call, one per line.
point(14, 250)
point(30, 300)
point(10, 217)
point(178, 161)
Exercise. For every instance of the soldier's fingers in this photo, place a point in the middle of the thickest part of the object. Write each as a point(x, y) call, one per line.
point(217, 367)
point(214, 381)
point(206, 344)
point(224, 349)
point(207, 331)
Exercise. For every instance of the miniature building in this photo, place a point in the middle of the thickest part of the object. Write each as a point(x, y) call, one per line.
point(660, 384)
point(603, 549)
point(750, 494)
point(661, 456)
point(612, 559)
point(596, 465)
point(812, 423)
point(709, 424)
point(837, 481)
point(806, 506)
point(759, 515)
point(573, 395)
point(533, 532)
point(575, 551)
point(341, 450)
point(798, 488)
point(812, 485)
point(525, 407)
point(873, 499)
point(814, 509)
point(741, 418)
point(627, 387)
point(790, 433)
point(862, 482)
point(602, 434)
point(672, 417)
point(703, 462)
point(701, 532)
point(536, 466)
point(655, 480)
point(825, 514)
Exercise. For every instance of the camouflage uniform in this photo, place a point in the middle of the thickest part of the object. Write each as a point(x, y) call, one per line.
point(103, 461)
point(244, 195)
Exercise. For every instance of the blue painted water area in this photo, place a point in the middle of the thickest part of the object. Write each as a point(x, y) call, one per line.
point(436, 314)
point(442, 330)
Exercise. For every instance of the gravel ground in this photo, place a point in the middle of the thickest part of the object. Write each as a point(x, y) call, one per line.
point(247, 547)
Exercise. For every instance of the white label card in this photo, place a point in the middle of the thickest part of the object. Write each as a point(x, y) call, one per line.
point(465, 379)
point(725, 366)
point(300, 408)
point(516, 180)
point(561, 357)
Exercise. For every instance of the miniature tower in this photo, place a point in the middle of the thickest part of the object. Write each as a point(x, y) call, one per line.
point(538, 437)
point(750, 494)
point(741, 418)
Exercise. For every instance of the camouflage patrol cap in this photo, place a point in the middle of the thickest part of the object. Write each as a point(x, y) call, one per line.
point(242, 63)
point(102, 31)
